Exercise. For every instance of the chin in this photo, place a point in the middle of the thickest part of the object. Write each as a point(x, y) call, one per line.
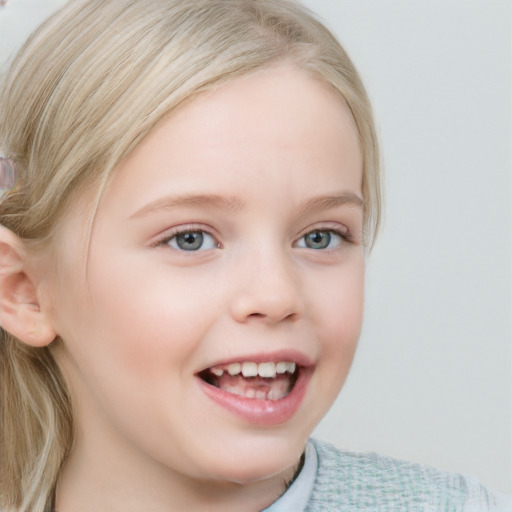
point(252, 474)
point(258, 462)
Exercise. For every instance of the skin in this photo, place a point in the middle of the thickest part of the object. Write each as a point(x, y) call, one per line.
point(147, 316)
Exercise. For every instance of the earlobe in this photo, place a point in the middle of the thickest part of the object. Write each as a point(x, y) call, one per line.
point(21, 313)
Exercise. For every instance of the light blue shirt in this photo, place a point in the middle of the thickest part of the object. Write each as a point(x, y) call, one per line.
point(297, 495)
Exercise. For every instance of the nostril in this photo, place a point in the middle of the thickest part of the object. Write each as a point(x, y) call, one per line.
point(292, 316)
point(256, 315)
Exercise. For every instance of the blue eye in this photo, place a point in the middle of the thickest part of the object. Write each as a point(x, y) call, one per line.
point(192, 241)
point(320, 239)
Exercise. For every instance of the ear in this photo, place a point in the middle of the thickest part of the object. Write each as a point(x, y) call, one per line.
point(21, 313)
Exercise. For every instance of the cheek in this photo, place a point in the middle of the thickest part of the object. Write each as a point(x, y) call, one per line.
point(342, 306)
point(150, 316)
point(107, 324)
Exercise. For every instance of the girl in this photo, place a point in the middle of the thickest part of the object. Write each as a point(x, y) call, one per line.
point(182, 265)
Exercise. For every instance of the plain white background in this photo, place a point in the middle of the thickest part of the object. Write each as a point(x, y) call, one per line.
point(432, 380)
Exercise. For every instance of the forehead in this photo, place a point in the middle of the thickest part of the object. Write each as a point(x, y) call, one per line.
point(278, 116)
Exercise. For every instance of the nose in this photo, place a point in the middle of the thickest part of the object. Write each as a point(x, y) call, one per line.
point(267, 289)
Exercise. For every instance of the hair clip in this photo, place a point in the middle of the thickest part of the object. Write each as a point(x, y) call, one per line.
point(8, 173)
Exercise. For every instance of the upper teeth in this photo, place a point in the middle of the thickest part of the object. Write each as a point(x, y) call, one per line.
point(251, 369)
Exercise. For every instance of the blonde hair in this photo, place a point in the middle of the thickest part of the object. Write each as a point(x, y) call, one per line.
point(85, 89)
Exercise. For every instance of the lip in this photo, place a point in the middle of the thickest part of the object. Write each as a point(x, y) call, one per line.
point(259, 412)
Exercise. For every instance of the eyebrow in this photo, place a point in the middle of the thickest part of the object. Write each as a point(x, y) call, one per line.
point(232, 204)
point(330, 201)
point(228, 203)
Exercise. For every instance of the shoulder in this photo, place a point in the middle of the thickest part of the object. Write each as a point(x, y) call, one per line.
point(373, 483)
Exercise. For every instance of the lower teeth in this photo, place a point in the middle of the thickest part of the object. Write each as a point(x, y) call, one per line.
point(255, 393)
point(258, 388)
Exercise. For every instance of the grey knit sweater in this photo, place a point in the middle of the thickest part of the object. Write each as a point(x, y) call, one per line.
point(350, 482)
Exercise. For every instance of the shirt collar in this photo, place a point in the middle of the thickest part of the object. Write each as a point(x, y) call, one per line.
point(297, 495)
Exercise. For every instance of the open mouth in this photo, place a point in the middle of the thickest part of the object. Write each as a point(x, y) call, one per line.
point(261, 381)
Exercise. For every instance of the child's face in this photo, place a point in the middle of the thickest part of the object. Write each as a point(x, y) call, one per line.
point(232, 234)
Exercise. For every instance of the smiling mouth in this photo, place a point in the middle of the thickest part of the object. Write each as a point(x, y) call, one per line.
point(261, 381)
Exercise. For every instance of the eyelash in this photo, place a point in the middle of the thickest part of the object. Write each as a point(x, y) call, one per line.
point(345, 237)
